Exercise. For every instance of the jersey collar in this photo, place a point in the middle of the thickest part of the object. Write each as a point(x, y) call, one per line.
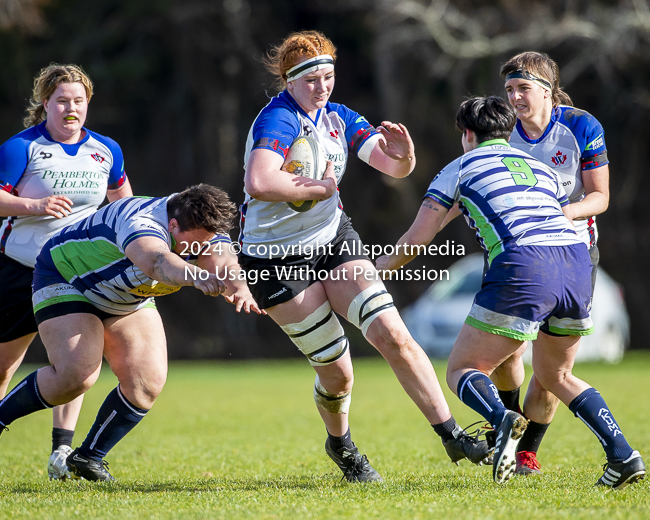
point(493, 142)
point(70, 149)
point(289, 99)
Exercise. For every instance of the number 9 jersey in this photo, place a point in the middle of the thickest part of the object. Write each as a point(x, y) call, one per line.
point(510, 198)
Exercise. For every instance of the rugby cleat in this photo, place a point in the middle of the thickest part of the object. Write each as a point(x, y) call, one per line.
point(508, 436)
point(527, 463)
point(57, 469)
point(464, 445)
point(619, 474)
point(355, 467)
point(93, 470)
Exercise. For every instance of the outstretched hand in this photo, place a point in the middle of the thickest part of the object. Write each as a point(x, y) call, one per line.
point(396, 143)
point(245, 302)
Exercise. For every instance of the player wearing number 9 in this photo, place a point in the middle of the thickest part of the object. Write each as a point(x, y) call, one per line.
point(539, 273)
point(571, 142)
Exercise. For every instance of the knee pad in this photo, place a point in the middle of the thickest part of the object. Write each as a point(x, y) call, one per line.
point(331, 402)
point(319, 336)
point(368, 305)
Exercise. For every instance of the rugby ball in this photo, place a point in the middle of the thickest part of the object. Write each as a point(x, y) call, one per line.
point(307, 159)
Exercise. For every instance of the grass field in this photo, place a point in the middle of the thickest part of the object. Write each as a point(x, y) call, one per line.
point(244, 440)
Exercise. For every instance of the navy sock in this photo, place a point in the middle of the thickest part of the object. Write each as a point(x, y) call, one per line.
point(23, 399)
point(445, 429)
point(61, 437)
point(510, 399)
point(339, 442)
point(116, 417)
point(479, 393)
point(592, 410)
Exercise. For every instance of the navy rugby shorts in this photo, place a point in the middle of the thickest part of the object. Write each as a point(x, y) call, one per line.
point(16, 314)
point(530, 287)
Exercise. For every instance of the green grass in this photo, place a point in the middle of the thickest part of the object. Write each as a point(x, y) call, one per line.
point(244, 440)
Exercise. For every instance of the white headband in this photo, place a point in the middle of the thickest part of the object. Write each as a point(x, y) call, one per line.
point(310, 65)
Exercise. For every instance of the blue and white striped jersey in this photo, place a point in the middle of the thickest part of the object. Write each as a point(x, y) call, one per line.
point(509, 198)
point(34, 166)
point(573, 141)
point(90, 254)
point(340, 131)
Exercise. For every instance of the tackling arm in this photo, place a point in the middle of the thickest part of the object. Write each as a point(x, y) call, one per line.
point(219, 258)
point(153, 257)
point(422, 231)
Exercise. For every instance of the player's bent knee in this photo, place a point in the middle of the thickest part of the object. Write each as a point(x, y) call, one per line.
point(319, 336)
point(333, 403)
point(368, 305)
point(552, 380)
point(78, 384)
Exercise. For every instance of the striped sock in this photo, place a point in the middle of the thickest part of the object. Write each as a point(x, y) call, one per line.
point(24, 398)
point(592, 410)
point(479, 393)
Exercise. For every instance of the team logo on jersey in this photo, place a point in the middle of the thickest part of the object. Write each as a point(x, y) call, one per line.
point(98, 158)
point(335, 134)
point(44, 155)
point(559, 158)
point(306, 130)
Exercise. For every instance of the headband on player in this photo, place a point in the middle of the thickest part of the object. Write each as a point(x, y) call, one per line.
point(311, 65)
point(524, 74)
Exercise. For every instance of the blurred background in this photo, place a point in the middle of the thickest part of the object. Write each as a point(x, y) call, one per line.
point(178, 84)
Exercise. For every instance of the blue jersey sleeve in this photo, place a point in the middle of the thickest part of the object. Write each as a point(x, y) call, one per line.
point(444, 187)
point(117, 175)
point(358, 131)
point(590, 136)
point(275, 129)
point(14, 156)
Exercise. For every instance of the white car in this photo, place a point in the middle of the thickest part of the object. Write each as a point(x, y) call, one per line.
point(435, 319)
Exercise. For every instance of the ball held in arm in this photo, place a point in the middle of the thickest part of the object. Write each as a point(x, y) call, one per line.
point(307, 159)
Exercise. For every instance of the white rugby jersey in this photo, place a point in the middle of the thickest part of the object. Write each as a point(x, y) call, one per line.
point(573, 141)
point(90, 255)
point(340, 131)
point(34, 166)
point(509, 197)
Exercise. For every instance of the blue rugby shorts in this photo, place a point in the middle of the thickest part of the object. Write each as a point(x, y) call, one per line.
point(530, 287)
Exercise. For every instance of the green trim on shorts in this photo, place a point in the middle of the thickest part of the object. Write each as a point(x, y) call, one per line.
point(61, 299)
point(500, 331)
point(571, 332)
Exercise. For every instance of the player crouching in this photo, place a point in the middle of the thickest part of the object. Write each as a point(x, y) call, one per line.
point(93, 292)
